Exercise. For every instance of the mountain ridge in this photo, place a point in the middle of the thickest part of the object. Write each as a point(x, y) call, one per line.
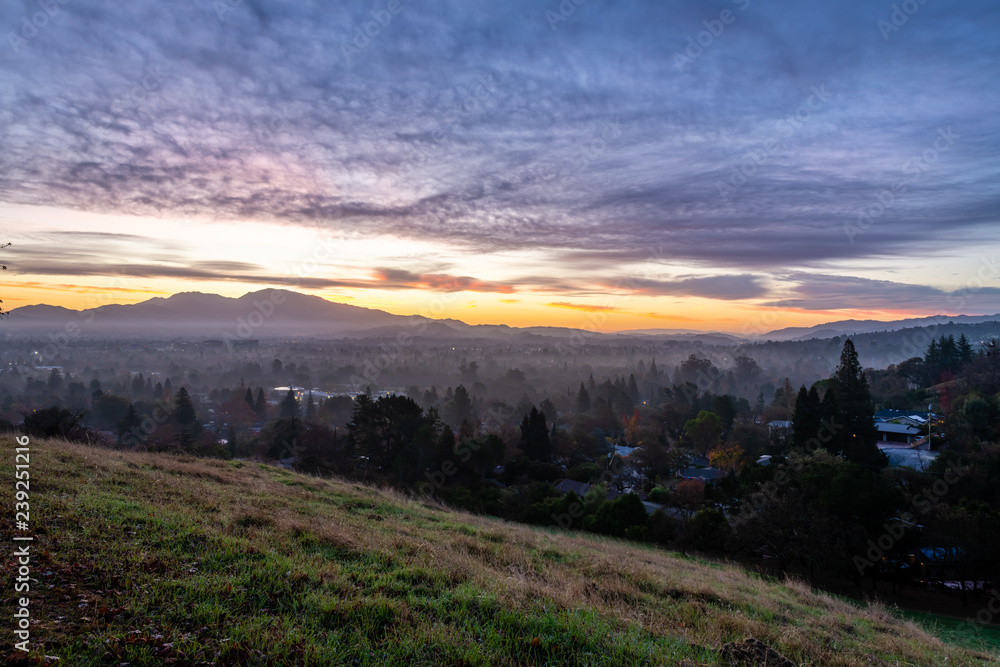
point(272, 313)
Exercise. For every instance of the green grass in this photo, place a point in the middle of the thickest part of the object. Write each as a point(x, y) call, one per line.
point(159, 560)
point(967, 633)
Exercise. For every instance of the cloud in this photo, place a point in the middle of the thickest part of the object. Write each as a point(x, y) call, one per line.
point(477, 126)
point(584, 307)
point(724, 287)
point(817, 292)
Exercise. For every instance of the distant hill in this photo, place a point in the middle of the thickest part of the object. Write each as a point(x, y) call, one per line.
point(176, 560)
point(852, 327)
point(195, 315)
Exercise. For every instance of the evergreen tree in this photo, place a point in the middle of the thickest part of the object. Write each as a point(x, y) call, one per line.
point(462, 405)
point(310, 409)
point(184, 414)
point(807, 419)
point(535, 441)
point(260, 405)
point(856, 411)
point(833, 439)
point(289, 406)
point(633, 388)
point(583, 400)
point(964, 351)
point(128, 427)
point(185, 418)
point(248, 397)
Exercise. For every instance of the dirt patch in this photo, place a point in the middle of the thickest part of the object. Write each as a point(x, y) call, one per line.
point(753, 653)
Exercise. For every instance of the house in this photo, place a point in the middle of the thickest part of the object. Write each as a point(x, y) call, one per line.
point(564, 486)
point(893, 432)
point(888, 415)
point(780, 425)
point(704, 474)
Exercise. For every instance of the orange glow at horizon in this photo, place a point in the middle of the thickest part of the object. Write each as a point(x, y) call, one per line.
point(639, 312)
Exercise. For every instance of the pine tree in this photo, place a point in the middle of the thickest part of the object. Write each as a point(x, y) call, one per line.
point(806, 420)
point(310, 408)
point(633, 389)
point(248, 397)
point(260, 405)
point(462, 405)
point(833, 440)
point(856, 411)
point(186, 418)
point(582, 400)
point(128, 427)
point(184, 414)
point(964, 351)
point(289, 407)
point(535, 441)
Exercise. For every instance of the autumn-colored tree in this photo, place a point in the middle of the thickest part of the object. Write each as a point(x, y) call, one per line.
point(730, 458)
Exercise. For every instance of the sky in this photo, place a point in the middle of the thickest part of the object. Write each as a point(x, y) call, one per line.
point(732, 165)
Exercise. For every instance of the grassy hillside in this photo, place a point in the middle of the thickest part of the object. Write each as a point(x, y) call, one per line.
point(151, 560)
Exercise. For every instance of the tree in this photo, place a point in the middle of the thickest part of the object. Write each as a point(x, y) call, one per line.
point(184, 413)
point(310, 408)
point(535, 441)
point(807, 419)
point(582, 400)
point(54, 422)
point(730, 458)
point(703, 432)
point(856, 412)
point(289, 406)
point(964, 351)
point(260, 405)
point(747, 370)
point(186, 418)
point(128, 427)
point(459, 408)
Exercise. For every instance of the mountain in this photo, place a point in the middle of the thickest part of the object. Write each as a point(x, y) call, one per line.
point(266, 313)
point(287, 314)
point(853, 327)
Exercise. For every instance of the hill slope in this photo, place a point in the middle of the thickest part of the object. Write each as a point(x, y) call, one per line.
point(152, 559)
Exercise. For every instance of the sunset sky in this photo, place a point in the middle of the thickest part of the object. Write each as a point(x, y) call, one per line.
point(725, 165)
